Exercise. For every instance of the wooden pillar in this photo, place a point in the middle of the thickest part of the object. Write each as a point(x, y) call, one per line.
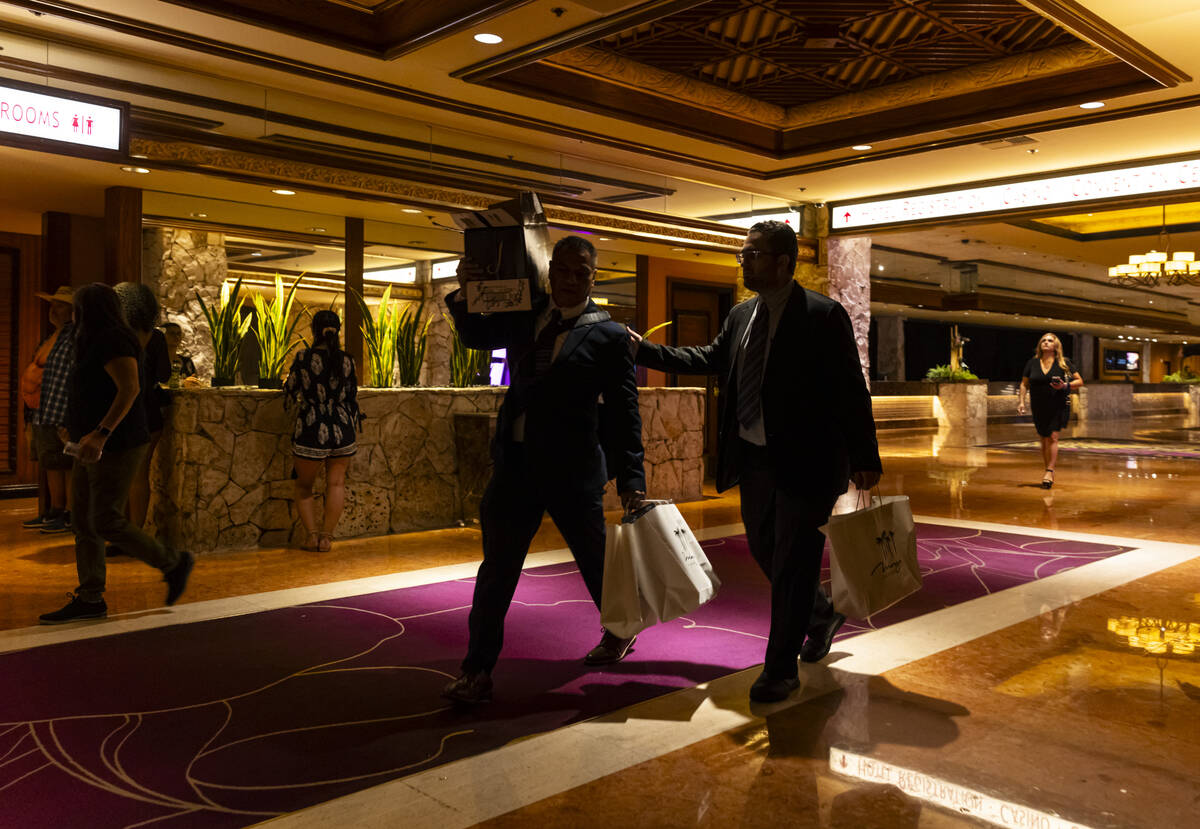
point(71, 246)
point(122, 235)
point(642, 306)
point(352, 330)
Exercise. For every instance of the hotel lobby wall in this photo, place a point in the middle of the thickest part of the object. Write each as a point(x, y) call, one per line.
point(222, 473)
point(658, 272)
point(23, 323)
point(178, 264)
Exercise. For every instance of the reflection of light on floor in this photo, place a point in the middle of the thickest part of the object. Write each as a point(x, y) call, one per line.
point(950, 796)
point(1157, 635)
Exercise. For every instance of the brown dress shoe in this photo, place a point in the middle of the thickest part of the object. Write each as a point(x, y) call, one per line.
point(470, 688)
point(612, 648)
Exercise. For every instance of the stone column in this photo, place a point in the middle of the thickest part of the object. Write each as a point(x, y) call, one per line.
point(889, 348)
point(1085, 355)
point(436, 371)
point(849, 275)
point(178, 264)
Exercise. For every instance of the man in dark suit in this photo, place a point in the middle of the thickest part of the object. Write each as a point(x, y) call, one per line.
point(795, 428)
point(565, 356)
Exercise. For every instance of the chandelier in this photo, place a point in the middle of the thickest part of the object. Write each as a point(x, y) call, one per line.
point(1147, 270)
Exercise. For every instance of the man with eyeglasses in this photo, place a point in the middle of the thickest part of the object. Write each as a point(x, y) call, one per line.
point(565, 356)
point(795, 428)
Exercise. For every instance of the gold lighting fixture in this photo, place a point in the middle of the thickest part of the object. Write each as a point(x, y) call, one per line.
point(1147, 270)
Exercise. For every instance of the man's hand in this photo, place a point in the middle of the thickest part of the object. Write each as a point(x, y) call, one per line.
point(469, 271)
point(91, 446)
point(866, 478)
point(635, 341)
point(632, 501)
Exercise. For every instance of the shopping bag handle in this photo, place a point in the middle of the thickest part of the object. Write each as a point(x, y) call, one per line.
point(630, 517)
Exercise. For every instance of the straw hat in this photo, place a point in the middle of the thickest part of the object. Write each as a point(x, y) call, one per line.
point(63, 293)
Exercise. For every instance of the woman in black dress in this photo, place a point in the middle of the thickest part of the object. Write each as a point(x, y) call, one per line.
point(323, 385)
point(1048, 379)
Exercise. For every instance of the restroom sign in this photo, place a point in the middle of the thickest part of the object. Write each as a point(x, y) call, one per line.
point(52, 120)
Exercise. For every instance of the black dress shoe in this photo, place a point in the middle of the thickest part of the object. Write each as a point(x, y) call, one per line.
point(766, 689)
point(612, 648)
point(177, 577)
point(816, 646)
point(470, 688)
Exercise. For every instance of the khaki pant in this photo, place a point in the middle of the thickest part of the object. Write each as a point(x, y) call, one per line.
point(99, 493)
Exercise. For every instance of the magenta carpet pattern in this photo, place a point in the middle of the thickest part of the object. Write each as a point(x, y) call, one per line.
point(229, 722)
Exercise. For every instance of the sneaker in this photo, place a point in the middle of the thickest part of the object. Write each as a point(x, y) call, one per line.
point(39, 522)
point(76, 611)
point(58, 525)
point(177, 577)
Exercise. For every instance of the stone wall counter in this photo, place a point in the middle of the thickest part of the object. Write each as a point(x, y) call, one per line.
point(222, 472)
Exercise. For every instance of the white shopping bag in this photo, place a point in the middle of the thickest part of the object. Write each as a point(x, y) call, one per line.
point(654, 571)
point(874, 558)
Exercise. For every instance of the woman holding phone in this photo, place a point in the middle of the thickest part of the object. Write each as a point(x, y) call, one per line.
point(1047, 380)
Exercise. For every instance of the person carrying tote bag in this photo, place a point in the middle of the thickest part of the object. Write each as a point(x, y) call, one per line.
point(873, 562)
point(654, 571)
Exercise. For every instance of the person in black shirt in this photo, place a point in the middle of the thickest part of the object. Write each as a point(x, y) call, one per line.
point(1048, 379)
point(107, 423)
point(141, 309)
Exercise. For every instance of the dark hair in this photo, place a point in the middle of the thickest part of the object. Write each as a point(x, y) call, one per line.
point(97, 312)
point(325, 327)
point(781, 239)
point(139, 304)
point(576, 244)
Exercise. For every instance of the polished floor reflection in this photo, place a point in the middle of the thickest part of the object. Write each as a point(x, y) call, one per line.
point(1072, 701)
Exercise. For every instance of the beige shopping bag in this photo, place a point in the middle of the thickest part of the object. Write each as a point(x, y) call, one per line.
point(874, 558)
point(654, 571)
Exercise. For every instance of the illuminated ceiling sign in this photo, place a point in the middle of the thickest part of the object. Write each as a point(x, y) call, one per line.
point(40, 118)
point(1167, 177)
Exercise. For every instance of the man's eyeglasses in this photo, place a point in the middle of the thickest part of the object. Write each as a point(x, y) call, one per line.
point(751, 255)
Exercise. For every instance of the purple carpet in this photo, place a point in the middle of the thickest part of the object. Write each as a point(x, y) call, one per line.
point(229, 722)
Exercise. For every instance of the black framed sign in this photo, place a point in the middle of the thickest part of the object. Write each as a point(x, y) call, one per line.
point(68, 123)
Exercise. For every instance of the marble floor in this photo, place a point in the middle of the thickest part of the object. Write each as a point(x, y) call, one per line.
point(1036, 706)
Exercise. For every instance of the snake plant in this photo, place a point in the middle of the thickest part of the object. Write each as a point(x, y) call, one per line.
point(275, 328)
point(466, 363)
point(411, 337)
point(226, 327)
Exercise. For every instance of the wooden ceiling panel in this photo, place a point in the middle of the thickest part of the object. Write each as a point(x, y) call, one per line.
point(825, 73)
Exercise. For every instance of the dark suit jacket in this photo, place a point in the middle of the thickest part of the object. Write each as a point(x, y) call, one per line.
point(565, 425)
point(816, 408)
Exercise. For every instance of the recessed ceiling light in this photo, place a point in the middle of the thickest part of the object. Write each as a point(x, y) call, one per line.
point(1033, 151)
point(861, 147)
point(679, 249)
point(880, 267)
point(602, 239)
point(317, 229)
point(134, 170)
point(256, 253)
point(409, 210)
point(199, 215)
point(1092, 105)
point(283, 191)
point(490, 39)
point(138, 155)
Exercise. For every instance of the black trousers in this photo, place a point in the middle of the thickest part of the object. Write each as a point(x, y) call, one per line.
point(781, 528)
point(510, 513)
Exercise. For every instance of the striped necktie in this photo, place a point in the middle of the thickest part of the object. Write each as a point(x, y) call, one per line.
point(543, 350)
point(749, 400)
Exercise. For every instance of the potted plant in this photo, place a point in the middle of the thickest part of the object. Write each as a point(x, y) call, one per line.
point(411, 337)
point(275, 332)
point(466, 364)
point(949, 374)
point(379, 339)
point(226, 327)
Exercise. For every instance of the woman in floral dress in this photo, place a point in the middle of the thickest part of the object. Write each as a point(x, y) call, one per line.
point(324, 388)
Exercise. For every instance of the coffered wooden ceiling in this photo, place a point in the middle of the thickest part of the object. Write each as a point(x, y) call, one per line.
point(784, 78)
point(384, 28)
